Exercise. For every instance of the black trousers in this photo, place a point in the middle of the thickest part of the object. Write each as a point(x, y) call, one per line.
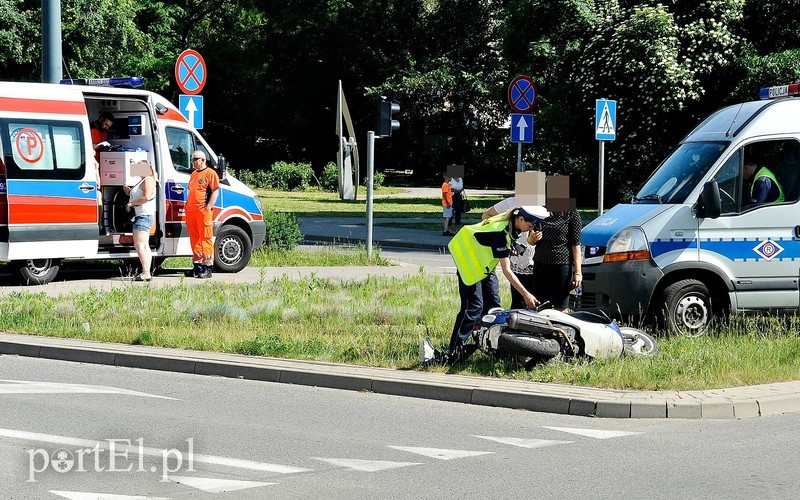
point(476, 300)
point(517, 302)
point(458, 199)
point(552, 283)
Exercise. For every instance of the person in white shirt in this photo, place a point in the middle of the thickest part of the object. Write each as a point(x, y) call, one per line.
point(500, 207)
point(457, 186)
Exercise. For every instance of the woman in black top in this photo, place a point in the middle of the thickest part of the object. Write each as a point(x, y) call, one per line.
point(557, 261)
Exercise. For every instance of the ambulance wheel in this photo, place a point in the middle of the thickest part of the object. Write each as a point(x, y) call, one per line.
point(232, 249)
point(35, 271)
point(687, 308)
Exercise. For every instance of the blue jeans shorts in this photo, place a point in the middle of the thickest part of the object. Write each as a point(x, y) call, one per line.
point(143, 222)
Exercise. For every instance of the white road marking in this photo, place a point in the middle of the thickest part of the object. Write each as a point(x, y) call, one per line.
point(524, 443)
point(441, 454)
point(213, 485)
point(594, 433)
point(154, 452)
point(81, 495)
point(30, 387)
point(365, 465)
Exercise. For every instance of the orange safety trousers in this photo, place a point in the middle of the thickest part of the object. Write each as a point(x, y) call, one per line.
point(200, 225)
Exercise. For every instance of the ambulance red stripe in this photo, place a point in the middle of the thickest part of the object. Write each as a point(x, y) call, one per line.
point(28, 210)
point(19, 105)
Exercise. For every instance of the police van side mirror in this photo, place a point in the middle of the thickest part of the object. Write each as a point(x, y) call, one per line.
point(709, 206)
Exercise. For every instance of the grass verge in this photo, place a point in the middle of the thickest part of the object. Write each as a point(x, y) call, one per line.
point(313, 256)
point(380, 322)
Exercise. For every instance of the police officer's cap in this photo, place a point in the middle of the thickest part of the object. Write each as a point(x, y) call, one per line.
point(533, 213)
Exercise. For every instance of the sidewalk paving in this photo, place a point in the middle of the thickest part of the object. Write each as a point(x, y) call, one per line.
point(354, 230)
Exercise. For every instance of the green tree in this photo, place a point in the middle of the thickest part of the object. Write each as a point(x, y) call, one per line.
point(20, 40)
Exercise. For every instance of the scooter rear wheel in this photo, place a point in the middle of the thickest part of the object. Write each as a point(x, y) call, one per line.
point(637, 343)
point(528, 345)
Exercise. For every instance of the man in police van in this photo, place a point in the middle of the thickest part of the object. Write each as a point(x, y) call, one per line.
point(760, 185)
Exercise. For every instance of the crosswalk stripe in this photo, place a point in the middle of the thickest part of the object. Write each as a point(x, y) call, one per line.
point(365, 465)
point(523, 443)
point(594, 433)
point(84, 495)
point(441, 454)
point(154, 452)
point(214, 485)
point(29, 387)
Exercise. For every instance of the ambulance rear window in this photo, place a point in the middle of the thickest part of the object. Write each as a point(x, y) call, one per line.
point(42, 148)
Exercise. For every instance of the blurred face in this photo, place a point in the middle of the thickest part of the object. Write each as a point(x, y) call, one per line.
point(749, 170)
point(106, 124)
point(198, 161)
point(522, 224)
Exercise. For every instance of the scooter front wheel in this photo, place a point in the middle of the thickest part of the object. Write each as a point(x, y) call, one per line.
point(637, 343)
point(527, 345)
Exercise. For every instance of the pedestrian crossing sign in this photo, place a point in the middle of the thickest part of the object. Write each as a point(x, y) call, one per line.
point(605, 120)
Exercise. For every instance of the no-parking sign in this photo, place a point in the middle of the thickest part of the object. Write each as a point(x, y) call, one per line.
point(190, 72)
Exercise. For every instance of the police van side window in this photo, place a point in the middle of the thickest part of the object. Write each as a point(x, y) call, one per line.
point(777, 160)
point(729, 181)
point(43, 149)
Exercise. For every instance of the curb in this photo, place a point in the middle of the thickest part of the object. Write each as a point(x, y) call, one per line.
point(740, 402)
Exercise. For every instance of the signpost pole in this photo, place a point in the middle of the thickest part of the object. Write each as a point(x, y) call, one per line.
point(600, 179)
point(370, 169)
point(520, 167)
point(605, 130)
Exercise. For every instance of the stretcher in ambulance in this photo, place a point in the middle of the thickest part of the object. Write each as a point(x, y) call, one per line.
point(59, 201)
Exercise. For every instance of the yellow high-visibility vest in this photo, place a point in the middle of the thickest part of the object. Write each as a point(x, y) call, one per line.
point(472, 251)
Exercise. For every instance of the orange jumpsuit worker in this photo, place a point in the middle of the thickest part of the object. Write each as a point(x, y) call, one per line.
point(203, 193)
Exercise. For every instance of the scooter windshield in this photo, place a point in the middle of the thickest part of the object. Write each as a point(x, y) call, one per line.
point(680, 173)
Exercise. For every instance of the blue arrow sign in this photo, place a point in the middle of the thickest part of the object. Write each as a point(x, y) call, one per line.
point(605, 120)
point(191, 106)
point(521, 127)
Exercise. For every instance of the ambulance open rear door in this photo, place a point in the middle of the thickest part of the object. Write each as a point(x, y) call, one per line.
point(51, 189)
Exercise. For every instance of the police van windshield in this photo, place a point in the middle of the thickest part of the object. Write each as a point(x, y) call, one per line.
point(680, 173)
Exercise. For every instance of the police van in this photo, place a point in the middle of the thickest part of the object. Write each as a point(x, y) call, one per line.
point(690, 246)
point(59, 201)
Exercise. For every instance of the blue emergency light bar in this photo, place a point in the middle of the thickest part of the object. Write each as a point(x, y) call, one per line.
point(121, 82)
point(779, 91)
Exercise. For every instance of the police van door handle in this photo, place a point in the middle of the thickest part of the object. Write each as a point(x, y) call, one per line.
point(86, 187)
point(178, 188)
point(797, 231)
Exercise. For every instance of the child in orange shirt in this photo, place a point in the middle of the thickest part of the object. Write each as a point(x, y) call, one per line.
point(447, 203)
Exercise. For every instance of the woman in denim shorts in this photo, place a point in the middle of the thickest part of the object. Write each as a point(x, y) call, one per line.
point(143, 201)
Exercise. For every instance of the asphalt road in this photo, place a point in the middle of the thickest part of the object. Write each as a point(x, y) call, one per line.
point(246, 439)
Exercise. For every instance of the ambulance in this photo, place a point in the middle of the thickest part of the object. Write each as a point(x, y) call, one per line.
point(690, 246)
point(61, 202)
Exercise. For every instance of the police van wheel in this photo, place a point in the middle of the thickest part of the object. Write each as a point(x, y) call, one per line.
point(35, 271)
point(232, 250)
point(687, 308)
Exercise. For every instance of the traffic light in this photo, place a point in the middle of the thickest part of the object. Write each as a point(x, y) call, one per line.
point(386, 124)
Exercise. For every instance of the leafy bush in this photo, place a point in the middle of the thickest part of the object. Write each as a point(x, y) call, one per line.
point(378, 178)
point(290, 176)
point(259, 179)
point(283, 230)
point(330, 177)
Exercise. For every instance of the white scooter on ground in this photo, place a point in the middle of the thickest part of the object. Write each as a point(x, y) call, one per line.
point(539, 336)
